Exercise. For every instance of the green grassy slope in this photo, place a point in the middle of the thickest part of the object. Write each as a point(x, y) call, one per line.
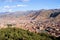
point(19, 34)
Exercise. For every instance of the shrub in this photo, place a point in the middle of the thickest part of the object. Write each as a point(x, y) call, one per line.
point(19, 34)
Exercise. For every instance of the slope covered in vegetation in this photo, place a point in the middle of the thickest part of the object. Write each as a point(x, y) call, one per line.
point(19, 34)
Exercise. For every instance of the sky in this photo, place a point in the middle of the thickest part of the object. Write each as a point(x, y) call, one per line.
point(24, 5)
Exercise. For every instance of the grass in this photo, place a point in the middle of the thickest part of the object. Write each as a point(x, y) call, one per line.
point(20, 34)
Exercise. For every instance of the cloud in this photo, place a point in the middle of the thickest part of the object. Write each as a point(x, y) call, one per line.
point(25, 0)
point(20, 5)
point(6, 6)
point(6, 0)
point(11, 8)
point(14, 6)
point(6, 9)
point(14, 0)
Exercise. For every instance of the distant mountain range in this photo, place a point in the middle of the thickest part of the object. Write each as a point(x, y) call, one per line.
point(39, 15)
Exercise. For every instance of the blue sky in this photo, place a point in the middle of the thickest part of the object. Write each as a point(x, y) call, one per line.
point(23, 5)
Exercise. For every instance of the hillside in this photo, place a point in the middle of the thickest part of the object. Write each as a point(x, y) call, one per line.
point(34, 21)
point(19, 34)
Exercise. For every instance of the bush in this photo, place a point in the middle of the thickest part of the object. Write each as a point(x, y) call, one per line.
point(19, 34)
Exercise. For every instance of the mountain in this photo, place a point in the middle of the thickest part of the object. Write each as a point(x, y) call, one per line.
point(34, 20)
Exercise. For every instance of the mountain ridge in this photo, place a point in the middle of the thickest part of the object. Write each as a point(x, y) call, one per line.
point(34, 21)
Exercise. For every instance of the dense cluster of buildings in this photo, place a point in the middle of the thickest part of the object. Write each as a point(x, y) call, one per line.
point(51, 28)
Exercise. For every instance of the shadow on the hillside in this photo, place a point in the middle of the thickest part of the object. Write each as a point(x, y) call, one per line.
point(54, 14)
